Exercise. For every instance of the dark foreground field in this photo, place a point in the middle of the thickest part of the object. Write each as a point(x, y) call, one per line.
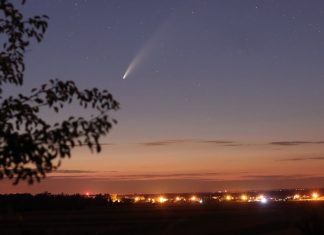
point(224, 218)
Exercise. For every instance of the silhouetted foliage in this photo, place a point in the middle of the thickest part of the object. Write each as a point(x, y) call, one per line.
point(28, 144)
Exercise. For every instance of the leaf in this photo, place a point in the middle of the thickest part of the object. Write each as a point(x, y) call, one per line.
point(38, 100)
point(98, 148)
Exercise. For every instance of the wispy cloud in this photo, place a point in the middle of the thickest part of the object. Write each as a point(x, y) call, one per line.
point(185, 175)
point(165, 142)
point(303, 159)
point(106, 176)
point(134, 176)
point(74, 171)
point(225, 143)
point(295, 143)
point(192, 141)
point(218, 142)
point(276, 177)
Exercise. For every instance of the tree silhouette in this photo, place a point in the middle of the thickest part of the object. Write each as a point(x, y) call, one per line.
point(30, 147)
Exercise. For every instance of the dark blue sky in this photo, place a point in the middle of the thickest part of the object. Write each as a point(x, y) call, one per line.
point(215, 82)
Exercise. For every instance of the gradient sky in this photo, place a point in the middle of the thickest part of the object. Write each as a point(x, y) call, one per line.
point(224, 94)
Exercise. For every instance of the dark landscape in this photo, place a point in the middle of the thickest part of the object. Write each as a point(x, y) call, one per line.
point(45, 214)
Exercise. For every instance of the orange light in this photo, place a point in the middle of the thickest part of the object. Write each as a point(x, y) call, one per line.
point(296, 197)
point(193, 198)
point(136, 199)
point(228, 197)
point(244, 197)
point(162, 199)
point(315, 195)
point(260, 197)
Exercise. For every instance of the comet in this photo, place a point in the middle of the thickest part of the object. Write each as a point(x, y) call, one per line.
point(148, 46)
point(140, 57)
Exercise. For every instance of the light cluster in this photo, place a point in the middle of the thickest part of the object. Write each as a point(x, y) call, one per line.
point(206, 198)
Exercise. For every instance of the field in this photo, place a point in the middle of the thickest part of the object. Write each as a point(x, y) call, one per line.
point(219, 218)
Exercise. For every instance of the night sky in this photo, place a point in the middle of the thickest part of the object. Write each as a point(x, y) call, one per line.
point(218, 95)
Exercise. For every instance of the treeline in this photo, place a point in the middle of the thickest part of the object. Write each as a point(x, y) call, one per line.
point(47, 201)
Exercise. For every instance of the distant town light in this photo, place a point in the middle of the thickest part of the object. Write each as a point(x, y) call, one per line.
point(114, 198)
point(193, 198)
point(162, 199)
point(315, 195)
point(244, 197)
point(87, 194)
point(136, 199)
point(228, 197)
point(264, 200)
point(296, 197)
